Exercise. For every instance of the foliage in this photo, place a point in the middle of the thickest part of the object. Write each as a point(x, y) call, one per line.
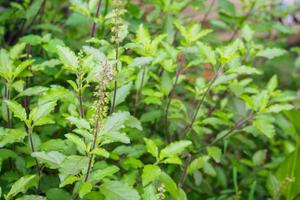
point(106, 99)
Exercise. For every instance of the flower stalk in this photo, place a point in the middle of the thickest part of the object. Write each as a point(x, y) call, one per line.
point(93, 27)
point(200, 103)
point(118, 22)
point(100, 111)
point(180, 69)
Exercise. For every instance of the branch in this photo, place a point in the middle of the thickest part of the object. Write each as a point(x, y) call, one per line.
point(117, 47)
point(200, 103)
point(181, 60)
point(138, 94)
point(208, 11)
point(93, 27)
point(246, 17)
point(236, 127)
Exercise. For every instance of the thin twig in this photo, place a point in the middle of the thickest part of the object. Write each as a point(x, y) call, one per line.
point(200, 103)
point(80, 97)
point(27, 83)
point(93, 27)
point(179, 70)
point(96, 130)
point(38, 171)
point(208, 11)
point(138, 93)
point(117, 46)
point(7, 97)
point(236, 127)
point(245, 18)
point(185, 170)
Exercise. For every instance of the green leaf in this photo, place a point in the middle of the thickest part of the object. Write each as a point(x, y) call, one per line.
point(151, 147)
point(85, 188)
point(150, 173)
point(244, 70)
point(56, 193)
point(209, 169)
point(116, 190)
point(259, 157)
point(36, 90)
point(122, 93)
point(41, 111)
point(277, 108)
point(5, 65)
point(69, 180)
point(22, 185)
point(76, 140)
point(173, 160)
point(73, 165)
point(6, 153)
point(166, 83)
point(288, 173)
point(16, 50)
point(140, 61)
point(271, 53)
point(174, 149)
point(68, 57)
point(169, 184)
point(196, 164)
point(272, 84)
point(10, 136)
point(31, 39)
point(143, 35)
point(133, 122)
point(52, 159)
point(100, 152)
point(247, 33)
point(115, 122)
point(21, 67)
point(79, 123)
point(31, 197)
point(142, 78)
point(265, 126)
point(116, 137)
point(33, 10)
point(150, 193)
point(99, 174)
point(273, 185)
point(215, 153)
point(207, 52)
point(17, 109)
point(249, 102)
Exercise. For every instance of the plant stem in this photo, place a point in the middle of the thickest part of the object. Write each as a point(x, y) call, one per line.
point(80, 98)
point(93, 27)
point(104, 14)
point(29, 133)
point(96, 130)
point(237, 126)
point(27, 83)
point(200, 103)
point(7, 97)
point(181, 60)
point(185, 168)
point(245, 18)
point(208, 11)
point(117, 46)
point(138, 94)
point(223, 94)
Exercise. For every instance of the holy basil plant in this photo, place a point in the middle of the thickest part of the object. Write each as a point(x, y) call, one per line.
point(130, 100)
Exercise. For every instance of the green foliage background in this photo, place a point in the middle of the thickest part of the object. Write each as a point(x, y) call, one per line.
point(129, 100)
